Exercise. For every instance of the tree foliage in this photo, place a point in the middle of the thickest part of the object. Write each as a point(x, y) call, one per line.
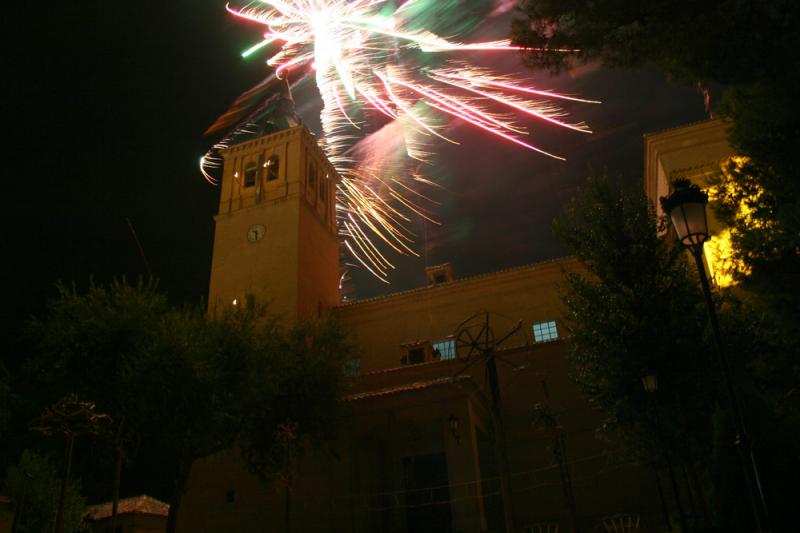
point(750, 47)
point(766, 321)
point(297, 406)
point(185, 385)
point(635, 313)
point(6, 401)
point(755, 204)
point(728, 41)
point(639, 310)
point(34, 484)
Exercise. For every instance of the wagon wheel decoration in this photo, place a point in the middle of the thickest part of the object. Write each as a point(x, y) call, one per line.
point(474, 339)
point(476, 343)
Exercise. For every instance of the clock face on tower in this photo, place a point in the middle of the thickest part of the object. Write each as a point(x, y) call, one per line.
point(255, 232)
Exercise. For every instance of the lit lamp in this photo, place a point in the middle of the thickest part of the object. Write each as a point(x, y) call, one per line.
point(686, 206)
point(650, 382)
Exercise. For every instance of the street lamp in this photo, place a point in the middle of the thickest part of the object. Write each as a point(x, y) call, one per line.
point(650, 382)
point(686, 206)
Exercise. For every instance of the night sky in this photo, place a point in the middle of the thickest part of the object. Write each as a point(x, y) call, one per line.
point(105, 105)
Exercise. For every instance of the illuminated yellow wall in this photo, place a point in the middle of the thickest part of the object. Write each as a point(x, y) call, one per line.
point(294, 265)
point(695, 152)
point(382, 325)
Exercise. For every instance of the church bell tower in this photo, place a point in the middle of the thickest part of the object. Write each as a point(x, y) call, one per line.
point(275, 238)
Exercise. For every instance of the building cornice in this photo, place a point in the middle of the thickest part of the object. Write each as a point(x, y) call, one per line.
point(567, 263)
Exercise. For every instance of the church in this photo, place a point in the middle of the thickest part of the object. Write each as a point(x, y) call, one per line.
point(460, 413)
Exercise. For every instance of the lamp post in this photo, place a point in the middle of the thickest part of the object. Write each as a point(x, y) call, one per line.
point(686, 206)
point(650, 384)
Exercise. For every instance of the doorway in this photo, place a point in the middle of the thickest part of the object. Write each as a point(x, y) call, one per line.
point(427, 495)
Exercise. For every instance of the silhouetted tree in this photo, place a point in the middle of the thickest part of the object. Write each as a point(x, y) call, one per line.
point(634, 313)
point(727, 41)
point(185, 385)
point(749, 47)
point(640, 310)
point(34, 483)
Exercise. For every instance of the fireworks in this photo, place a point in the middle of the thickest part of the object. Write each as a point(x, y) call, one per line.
point(378, 58)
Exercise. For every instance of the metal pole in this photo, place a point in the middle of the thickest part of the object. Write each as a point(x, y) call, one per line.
point(59, 525)
point(566, 480)
point(676, 491)
point(21, 503)
point(500, 440)
point(698, 487)
point(560, 453)
point(668, 462)
point(749, 466)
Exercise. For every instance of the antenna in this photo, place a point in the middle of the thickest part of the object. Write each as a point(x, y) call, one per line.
point(475, 340)
point(288, 87)
point(141, 250)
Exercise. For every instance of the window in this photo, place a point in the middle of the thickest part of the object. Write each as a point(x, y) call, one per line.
point(416, 355)
point(250, 172)
point(312, 176)
point(437, 274)
point(545, 331)
point(444, 349)
point(323, 189)
point(415, 352)
point(273, 166)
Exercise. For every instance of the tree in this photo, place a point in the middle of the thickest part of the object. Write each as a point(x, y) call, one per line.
point(752, 202)
point(180, 385)
point(6, 400)
point(255, 375)
point(34, 483)
point(300, 387)
point(748, 46)
point(764, 261)
point(640, 309)
point(295, 402)
point(727, 41)
point(635, 313)
point(69, 418)
point(106, 346)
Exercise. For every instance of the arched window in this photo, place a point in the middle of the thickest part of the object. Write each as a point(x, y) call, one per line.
point(323, 189)
point(250, 172)
point(273, 166)
point(312, 176)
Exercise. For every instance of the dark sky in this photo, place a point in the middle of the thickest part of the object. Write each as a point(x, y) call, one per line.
point(105, 105)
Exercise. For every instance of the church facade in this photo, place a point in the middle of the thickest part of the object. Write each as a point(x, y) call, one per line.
point(460, 413)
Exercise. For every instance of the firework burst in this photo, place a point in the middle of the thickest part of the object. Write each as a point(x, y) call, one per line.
point(372, 58)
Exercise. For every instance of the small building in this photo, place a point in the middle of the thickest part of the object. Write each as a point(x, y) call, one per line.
point(139, 514)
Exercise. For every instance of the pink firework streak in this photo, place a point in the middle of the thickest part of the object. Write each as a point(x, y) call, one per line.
point(365, 57)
